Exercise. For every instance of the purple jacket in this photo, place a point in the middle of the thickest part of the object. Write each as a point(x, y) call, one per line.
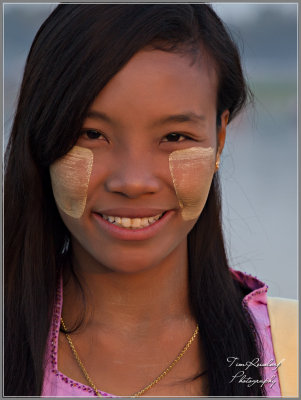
point(59, 385)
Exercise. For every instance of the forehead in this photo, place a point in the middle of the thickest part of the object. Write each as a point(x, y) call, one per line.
point(156, 79)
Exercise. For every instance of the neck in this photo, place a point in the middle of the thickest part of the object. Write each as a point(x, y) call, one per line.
point(142, 300)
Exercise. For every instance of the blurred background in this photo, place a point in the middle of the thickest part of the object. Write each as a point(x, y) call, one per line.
point(259, 163)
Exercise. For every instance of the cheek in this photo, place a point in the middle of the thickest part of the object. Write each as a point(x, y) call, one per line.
point(192, 172)
point(70, 177)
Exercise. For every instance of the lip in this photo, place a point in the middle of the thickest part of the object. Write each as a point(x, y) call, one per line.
point(121, 233)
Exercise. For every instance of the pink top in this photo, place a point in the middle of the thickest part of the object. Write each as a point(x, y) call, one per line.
point(59, 385)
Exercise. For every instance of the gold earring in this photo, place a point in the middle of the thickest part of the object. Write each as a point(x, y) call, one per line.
point(217, 164)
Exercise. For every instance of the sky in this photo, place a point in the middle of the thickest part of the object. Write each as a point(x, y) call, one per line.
point(246, 11)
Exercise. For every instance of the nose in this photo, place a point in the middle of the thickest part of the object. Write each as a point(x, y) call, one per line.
point(133, 176)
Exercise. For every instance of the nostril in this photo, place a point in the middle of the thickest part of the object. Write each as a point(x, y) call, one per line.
point(132, 185)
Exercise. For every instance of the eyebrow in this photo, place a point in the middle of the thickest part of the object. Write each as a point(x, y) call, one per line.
point(184, 117)
point(180, 118)
point(99, 115)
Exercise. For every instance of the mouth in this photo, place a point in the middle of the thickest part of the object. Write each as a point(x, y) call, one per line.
point(132, 223)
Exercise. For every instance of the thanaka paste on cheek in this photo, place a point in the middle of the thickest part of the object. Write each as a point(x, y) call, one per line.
point(192, 172)
point(70, 176)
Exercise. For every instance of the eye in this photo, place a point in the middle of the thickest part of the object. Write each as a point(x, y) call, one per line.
point(174, 137)
point(93, 134)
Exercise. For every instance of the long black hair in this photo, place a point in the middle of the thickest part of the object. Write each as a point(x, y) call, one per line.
point(77, 50)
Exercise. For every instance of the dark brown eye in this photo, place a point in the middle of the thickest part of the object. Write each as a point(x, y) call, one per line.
point(174, 137)
point(92, 134)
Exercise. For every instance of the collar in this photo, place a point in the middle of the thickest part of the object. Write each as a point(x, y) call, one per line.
point(258, 289)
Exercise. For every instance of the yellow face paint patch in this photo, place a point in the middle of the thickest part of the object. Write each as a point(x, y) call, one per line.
point(192, 172)
point(70, 177)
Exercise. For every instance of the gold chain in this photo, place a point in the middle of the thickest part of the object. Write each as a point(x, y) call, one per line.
point(79, 361)
point(153, 383)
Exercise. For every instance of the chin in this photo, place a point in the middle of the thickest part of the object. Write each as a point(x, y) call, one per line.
point(97, 254)
point(119, 260)
point(129, 263)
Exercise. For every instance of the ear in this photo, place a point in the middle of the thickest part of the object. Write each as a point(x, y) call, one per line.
point(221, 137)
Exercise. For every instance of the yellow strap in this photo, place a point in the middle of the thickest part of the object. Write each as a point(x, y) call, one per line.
point(283, 315)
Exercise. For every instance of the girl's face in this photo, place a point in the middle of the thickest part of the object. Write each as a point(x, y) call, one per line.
point(138, 178)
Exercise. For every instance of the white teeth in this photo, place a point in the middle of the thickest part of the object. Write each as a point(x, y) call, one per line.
point(132, 223)
point(144, 222)
point(126, 222)
point(136, 222)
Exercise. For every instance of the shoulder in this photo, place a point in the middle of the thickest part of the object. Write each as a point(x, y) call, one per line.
point(276, 322)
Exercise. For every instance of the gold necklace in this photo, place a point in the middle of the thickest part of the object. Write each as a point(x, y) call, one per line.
point(153, 383)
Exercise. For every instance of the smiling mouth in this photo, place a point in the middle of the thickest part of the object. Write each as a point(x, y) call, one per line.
point(132, 223)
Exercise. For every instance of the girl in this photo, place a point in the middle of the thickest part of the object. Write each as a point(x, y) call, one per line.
point(116, 277)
